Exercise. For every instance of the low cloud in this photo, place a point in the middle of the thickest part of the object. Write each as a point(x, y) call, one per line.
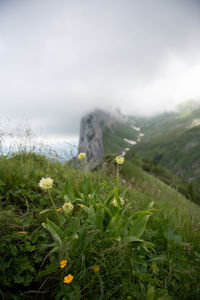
point(61, 59)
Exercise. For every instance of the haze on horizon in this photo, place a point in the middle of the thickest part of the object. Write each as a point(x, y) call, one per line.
point(61, 59)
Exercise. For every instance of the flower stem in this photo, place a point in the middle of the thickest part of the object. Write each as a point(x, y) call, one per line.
point(117, 178)
point(55, 208)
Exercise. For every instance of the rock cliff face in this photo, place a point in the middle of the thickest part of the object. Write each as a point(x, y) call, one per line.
point(91, 134)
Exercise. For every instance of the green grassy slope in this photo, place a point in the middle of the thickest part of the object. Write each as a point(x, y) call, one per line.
point(114, 144)
point(150, 188)
point(31, 245)
point(173, 140)
point(114, 141)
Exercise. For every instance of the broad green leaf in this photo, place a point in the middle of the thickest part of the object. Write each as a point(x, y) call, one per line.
point(150, 205)
point(109, 198)
point(150, 293)
point(138, 225)
point(158, 258)
point(52, 227)
point(99, 217)
point(68, 189)
point(114, 225)
point(85, 185)
point(48, 270)
point(117, 196)
point(106, 209)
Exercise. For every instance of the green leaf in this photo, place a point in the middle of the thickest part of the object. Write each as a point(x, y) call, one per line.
point(138, 226)
point(151, 293)
point(48, 270)
point(109, 198)
point(117, 196)
point(130, 239)
point(46, 210)
point(68, 189)
point(150, 205)
point(85, 185)
point(99, 217)
point(106, 209)
point(158, 258)
point(164, 298)
point(114, 225)
point(52, 228)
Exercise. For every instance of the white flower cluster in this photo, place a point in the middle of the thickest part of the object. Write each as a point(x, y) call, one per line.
point(115, 203)
point(67, 207)
point(46, 183)
point(119, 160)
point(81, 156)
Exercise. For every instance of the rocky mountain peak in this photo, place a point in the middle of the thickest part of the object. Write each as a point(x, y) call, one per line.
point(91, 133)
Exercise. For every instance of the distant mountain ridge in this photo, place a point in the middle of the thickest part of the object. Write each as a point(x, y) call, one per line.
point(171, 140)
point(104, 132)
point(91, 134)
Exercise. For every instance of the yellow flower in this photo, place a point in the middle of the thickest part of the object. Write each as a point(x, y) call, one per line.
point(68, 207)
point(63, 263)
point(58, 209)
point(119, 160)
point(96, 268)
point(81, 156)
point(46, 183)
point(68, 278)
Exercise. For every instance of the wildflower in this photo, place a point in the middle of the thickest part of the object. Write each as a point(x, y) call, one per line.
point(81, 156)
point(154, 268)
point(58, 209)
point(115, 203)
point(68, 207)
point(96, 268)
point(119, 160)
point(46, 183)
point(63, 263)
point(68, 278)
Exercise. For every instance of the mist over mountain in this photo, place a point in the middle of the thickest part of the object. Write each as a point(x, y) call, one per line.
point(171, 140)
point(62, 59)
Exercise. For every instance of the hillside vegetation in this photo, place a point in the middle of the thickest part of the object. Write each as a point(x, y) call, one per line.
point(85, 238)
point(167, 146)
point(173, 140)
point(113, 141)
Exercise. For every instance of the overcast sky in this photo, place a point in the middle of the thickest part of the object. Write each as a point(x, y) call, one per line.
point(62, 58)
